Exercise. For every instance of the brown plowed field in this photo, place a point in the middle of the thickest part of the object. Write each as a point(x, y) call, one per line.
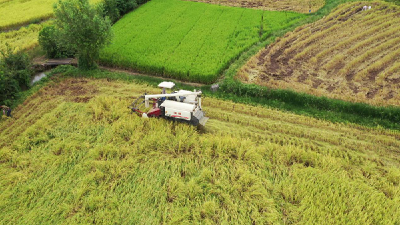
point(352, 54)
point(302, 6)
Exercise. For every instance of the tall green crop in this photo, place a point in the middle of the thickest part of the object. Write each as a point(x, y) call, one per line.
point(188, 40)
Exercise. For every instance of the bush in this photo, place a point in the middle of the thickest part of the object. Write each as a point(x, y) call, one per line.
point(81, 28)
point(15, 74)
point(49, 40)
point(115, 9)
point(16, 65)
point(109, 8)
point(9, 88)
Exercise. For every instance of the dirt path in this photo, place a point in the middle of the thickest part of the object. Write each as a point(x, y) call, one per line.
point(147, 75)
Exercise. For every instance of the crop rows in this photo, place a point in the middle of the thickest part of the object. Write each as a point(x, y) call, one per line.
point(74, 154)
point(351, 54)
point(186, 40)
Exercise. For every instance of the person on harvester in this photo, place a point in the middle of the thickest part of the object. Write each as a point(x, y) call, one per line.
point(162, 99)
point(6, 110)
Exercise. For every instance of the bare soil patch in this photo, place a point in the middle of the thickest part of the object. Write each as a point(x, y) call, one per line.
point(76, 90)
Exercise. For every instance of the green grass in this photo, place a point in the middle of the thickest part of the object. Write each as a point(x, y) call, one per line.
point(74, 154)
point(188, 40)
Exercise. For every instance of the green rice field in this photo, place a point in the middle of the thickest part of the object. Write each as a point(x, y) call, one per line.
point(189, 40)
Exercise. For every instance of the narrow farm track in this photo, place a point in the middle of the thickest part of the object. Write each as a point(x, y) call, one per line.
point(73, 154)
point(351, 54)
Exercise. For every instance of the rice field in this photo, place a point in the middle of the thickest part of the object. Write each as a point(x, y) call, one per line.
point(23, 39)
point(351, 54)
point(301, 6)
point(188, 40)
point(74, 154)
point(14, 13)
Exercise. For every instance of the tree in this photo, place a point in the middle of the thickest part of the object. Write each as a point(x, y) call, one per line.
point(83, 30)
point(115, 9)
point(49, 40)
point(15, 74)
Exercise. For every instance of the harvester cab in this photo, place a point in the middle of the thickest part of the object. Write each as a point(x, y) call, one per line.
point(183, 106)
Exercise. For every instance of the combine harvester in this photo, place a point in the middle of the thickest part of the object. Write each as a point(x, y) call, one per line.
point(182, 106)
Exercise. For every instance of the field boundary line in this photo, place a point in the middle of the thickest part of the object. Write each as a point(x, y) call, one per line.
point(132, 73)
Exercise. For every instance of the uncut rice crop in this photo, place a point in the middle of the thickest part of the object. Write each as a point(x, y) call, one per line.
point(22, 39)
point(14, 13)
point(187, 40)
point(73, 153)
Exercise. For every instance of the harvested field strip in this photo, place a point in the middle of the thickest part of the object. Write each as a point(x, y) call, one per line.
point(357, 47)
point(368, 55)
point(311, 41)
point(328, 26)
point(73, 152)
point(187, 40)
point(371, 31)
point(395, 69)
point(379, 66)
point(373, 37)
point(346, 56)
point(271, 5)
